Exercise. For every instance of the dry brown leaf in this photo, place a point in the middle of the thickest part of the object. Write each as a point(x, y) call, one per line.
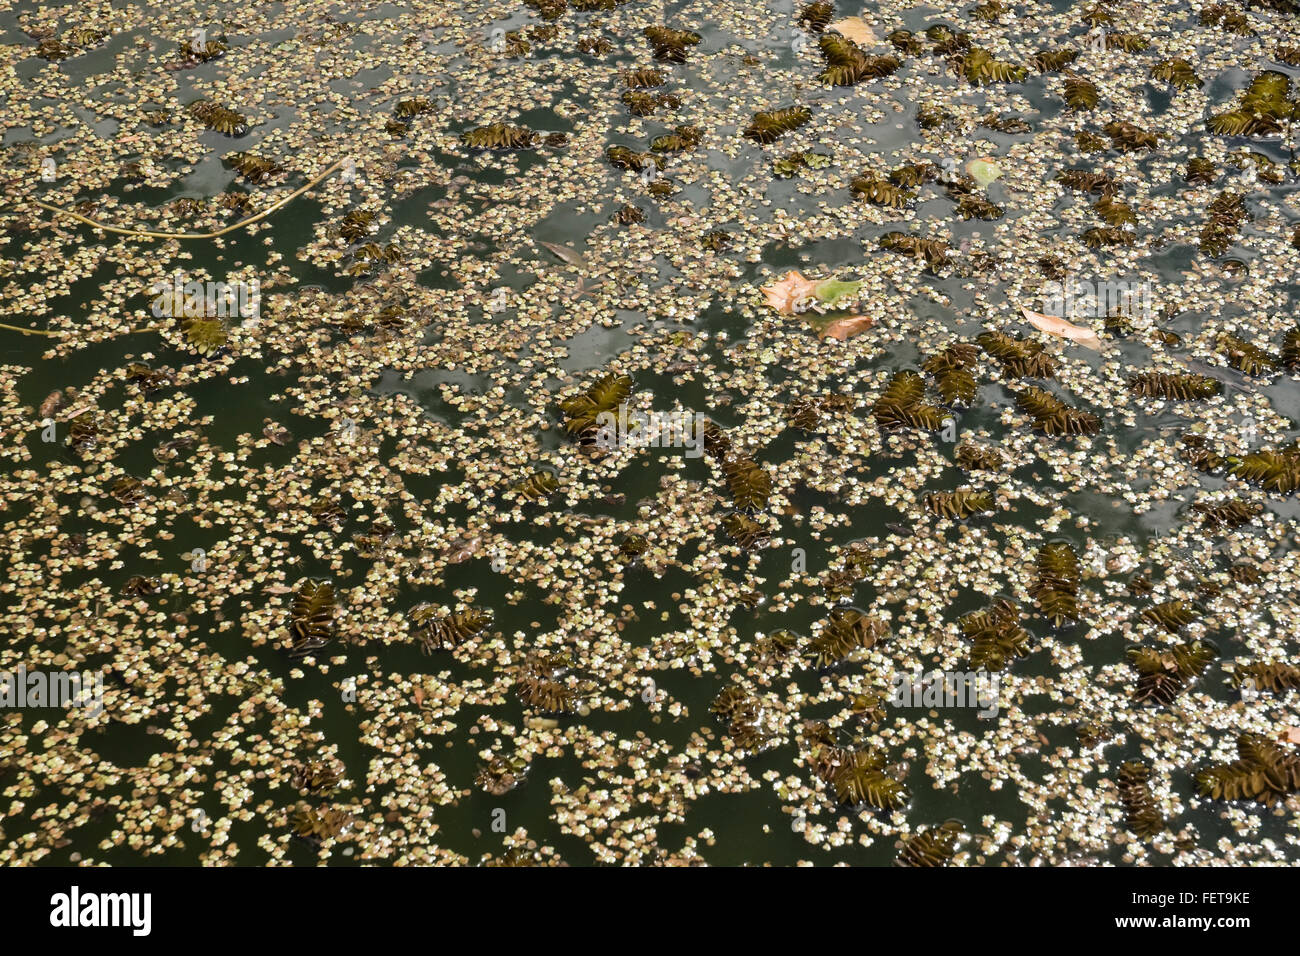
point(1055, 325)
point(842, 327)
point(856, 29)
point(790, 290)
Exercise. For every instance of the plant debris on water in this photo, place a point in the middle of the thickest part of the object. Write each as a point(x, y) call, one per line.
point(587, 432)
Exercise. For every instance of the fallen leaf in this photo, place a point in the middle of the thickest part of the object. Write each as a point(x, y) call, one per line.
point(984, 170)
point(856, 29)
point(1055, 325)
point(1290, 735)
point(565, 254)
point(840, 327)
point(788, 291)
point(418, 696)
point(53, 402)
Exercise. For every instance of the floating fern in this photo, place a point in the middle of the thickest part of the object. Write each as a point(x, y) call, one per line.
point(1262, 772)
point(934, 846)
point(998, 639)
point(1057, 586)
point(311, 617)
point(768, 126)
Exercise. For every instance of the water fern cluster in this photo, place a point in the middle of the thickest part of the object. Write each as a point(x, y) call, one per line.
point(996, 635)
point(1141, 815)
point(1263, 772)
point(1051, 416)
point(902, 405)
point(437, 631)
point(1056, 587)
point(768, 126)
point(847, 64)
point(1164, 674)
point(311, 617)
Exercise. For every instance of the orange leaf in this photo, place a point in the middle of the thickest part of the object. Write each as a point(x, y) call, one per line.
point(843, 327)
point(788, 291)
point(1055, 325)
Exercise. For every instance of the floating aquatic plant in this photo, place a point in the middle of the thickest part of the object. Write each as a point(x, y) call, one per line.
point(1227, 212)
point(862, 779)
point(1263, 772)
point(973, 457)
point(906, 42)
point(958, 505)
point(1114, 211)
point(1173, 616)
point(1291, 350)
point(628, 215)
point(1233, 513)
point(1053, 417)
point(977, 207)
point(1087, 181)
point(1245, 356)
point(311, 617)
point(538, 485)
point(847, 631)
point(1056, 588)
point(1052, 61)
point(816, 15)
point(901, 405)
point(582, 411)
point(767, 126)
point(880, 192)
point(1180, 387)
point(436, 631)
point(1164, 674)
point(318, 824)
point(1177, 72)
point(951, 370)
point(933, 252)
point(620, 157)
point(255, 169)
point(746, 532)
point(594, 46)
point(979, 67)
point(1080, 94)
point(500, 136)
point(933, 846)
point(646, 76)
point(1276, 470)
point(914, 175)
point(1262, 109)
point(791, 164)
point(315, 777)
point(669, 44)
point(682, 140)
point(1129, 137)
point(219, 118)
point(847, 64)
point(1274, 677)
point(1020, 357)
point(748, 482)
point(207, 336)
point(541, 685)
point(1141, 815)
point(996, 635)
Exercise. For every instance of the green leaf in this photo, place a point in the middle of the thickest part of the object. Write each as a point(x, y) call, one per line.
point(830, 291)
